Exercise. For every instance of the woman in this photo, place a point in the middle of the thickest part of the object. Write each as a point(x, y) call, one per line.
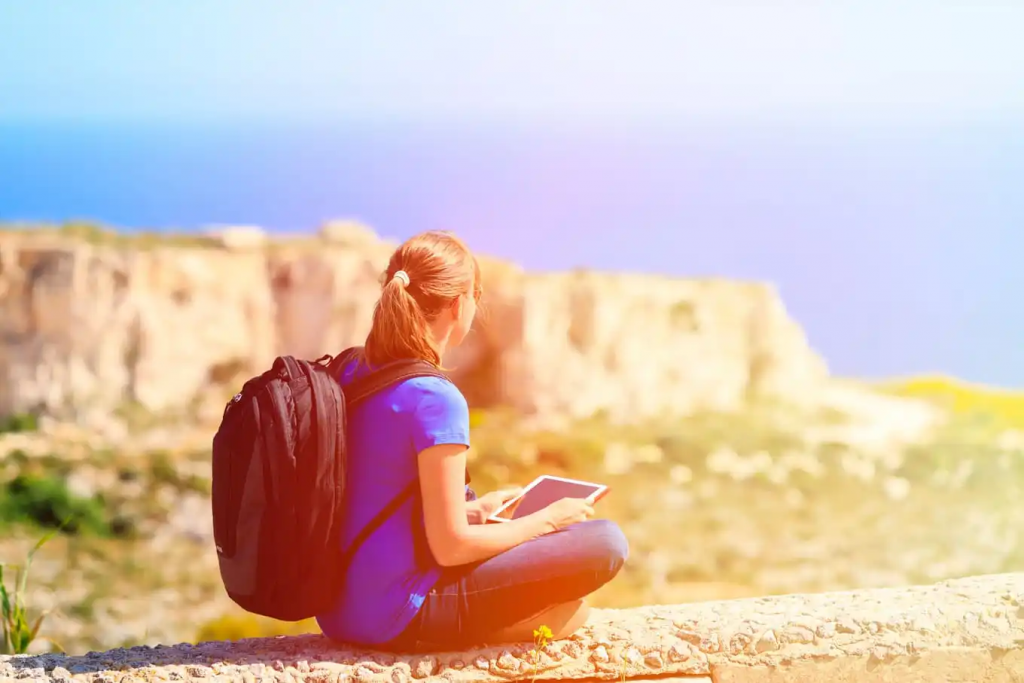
point(434, 576)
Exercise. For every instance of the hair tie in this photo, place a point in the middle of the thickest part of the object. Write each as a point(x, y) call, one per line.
point(401, 275)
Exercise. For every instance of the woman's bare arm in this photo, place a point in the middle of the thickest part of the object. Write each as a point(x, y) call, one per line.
point(452, 539)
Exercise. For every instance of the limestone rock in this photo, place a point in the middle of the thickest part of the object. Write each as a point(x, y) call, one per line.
point(239, 237)
point(969, 629)
point(348, 232)
point(90, 328)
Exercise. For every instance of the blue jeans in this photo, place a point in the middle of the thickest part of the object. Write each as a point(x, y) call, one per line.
point(471, 602)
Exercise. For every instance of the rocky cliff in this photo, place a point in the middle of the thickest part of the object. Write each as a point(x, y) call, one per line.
point(93, 324)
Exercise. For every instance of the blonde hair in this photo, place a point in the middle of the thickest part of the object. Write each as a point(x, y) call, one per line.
point(434, 268)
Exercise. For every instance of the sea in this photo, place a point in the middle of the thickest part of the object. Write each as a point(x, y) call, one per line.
point(900, 249)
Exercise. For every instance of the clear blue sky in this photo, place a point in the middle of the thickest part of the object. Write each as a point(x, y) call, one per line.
point(635, 60)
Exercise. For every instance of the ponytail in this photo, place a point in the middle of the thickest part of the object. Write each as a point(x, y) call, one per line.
point(425, 274)
point(400, 328)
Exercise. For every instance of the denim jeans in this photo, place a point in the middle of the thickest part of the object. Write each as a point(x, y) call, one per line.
point(471, 602)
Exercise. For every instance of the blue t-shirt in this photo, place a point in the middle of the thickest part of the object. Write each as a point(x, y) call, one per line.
point(393, 570)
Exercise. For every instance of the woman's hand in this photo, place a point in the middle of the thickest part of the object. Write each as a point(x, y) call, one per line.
point(483, 507)
point(566, 512)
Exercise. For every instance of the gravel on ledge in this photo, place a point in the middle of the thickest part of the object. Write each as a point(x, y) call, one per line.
point(966, 629)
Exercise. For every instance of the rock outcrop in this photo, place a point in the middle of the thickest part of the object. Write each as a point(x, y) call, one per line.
point(88, 326)
point(964, 630)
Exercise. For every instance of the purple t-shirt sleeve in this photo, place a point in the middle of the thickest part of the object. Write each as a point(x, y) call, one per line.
point(441, 414)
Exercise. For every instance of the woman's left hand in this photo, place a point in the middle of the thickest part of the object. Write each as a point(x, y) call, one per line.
point(484, 506)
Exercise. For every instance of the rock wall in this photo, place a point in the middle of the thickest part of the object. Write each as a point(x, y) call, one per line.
point(965, 630)
point(89, 326)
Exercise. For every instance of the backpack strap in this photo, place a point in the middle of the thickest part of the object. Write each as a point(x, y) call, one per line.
point(336, 363)
point(363, 388)
point(389, 509)
point(385, 376)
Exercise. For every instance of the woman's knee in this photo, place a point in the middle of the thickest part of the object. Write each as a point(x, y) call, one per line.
point(606, 544)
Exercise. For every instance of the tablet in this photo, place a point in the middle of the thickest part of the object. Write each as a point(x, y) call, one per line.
point(543, 491)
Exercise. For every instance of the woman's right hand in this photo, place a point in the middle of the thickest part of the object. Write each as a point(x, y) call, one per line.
point(565, 512)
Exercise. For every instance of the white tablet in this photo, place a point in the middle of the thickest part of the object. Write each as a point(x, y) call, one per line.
point(543, 491)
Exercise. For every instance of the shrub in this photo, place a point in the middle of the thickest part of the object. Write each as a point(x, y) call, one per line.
point(47, 502)
point(19, 422)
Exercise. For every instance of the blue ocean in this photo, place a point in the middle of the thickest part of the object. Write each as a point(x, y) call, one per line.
point(900, 250)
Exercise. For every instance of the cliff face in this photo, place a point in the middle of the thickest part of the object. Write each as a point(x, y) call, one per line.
point(90, 327)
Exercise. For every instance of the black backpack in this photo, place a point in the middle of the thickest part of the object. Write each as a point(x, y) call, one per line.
point(279, 482)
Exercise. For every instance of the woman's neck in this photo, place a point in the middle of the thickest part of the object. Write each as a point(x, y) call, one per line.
point(440, 335)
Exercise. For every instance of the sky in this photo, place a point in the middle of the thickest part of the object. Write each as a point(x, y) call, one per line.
point(521, 61)
point(866, 157)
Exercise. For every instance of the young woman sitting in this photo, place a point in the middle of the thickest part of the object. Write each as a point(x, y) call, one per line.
point(434, 575)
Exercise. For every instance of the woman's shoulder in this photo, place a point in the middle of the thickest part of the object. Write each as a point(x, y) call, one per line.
point(435, 411)
point(432, 391)
point(431, 408)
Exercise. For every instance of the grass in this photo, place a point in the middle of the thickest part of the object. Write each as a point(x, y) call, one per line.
point(19, 631)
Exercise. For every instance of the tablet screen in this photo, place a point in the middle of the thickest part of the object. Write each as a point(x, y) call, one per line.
point(544, 492)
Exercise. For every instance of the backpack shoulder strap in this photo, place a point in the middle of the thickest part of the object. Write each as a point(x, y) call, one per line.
point(335, 364)
point(387, 375)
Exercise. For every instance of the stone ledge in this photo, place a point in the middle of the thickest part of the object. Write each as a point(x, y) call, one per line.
point(968, 629)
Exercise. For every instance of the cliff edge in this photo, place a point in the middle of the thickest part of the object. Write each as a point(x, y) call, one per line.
point(92, 323)
point(964, 630)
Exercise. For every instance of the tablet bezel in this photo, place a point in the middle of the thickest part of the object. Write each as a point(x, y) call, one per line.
point(599, 492)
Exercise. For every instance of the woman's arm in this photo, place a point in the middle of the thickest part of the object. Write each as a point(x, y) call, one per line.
point(452, 539)
point(440, 437)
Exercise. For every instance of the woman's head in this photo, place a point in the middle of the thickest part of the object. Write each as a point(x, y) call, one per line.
point(428, 300)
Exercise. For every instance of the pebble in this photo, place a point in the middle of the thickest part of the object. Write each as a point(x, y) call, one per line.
point(767, 642)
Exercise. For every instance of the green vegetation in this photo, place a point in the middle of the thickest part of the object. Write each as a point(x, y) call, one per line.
point(18, 422)
point(119, 493)
point(46, 502)
point(18, 629)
